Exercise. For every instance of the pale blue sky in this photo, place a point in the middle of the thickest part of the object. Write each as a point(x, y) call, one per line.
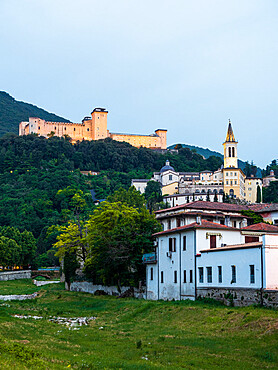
point(184, 65)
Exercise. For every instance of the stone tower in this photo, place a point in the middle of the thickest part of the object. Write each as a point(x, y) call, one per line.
point(99, 123)
point(230, 149)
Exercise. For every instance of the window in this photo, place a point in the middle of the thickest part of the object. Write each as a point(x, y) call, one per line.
point(169, 224)
point(88, 129)
point(55, 128)
point(235, 173)
point(227, 182)
point(219, 274)
point(251, 239)
point(227, 173)
point(233, 274)
point(231, 182)
point(74, 129)
point(184, 276)
point(184, 243)
point(151, 273)
point(170, 177)
point(235, 182)
point(175, 277)
point(233, 152)
point(222, 222)
point(191, 276)
point(172, 244)
point(178, 222)
point(39, 127)
point(201, 274)
point(234, 223)
point(161, 277)
point(230, 151)
point(209, 274)
point(212, 241)
point(252, 274)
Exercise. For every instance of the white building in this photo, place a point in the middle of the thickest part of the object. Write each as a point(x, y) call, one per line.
point(202, 258)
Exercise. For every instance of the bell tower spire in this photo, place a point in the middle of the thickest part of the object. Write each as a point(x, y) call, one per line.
point(230, 149)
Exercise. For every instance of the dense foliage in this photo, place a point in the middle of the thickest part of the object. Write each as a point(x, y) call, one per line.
point(12, 112)
point(111, 243)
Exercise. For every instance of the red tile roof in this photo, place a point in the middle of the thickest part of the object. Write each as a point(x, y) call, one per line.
point(200, 204)
point(262, 227)
point(203, 225)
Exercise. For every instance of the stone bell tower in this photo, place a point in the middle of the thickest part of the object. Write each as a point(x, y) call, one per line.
point(230, 149)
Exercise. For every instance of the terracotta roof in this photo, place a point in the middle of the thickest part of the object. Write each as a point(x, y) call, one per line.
point(269, 208)
point(261, 227)
point(235, 246)
point(203, 225)
point(200, 204)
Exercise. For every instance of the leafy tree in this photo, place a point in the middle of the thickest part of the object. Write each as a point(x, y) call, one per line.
point(118, 235)
point(256, 218)
point(270, 194)
point(70, 265)
point(9, 252)
point(153, 194)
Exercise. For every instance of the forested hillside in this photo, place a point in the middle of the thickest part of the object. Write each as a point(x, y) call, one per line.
point(12, 112)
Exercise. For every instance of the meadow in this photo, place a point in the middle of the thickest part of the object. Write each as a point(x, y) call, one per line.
point(131, 333)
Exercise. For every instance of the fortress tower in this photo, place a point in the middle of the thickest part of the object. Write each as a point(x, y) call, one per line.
point(230, 149)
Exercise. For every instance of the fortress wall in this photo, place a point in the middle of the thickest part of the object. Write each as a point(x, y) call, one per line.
point(138, 140)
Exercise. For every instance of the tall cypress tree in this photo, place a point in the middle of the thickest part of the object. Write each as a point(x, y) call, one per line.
point(259, 195)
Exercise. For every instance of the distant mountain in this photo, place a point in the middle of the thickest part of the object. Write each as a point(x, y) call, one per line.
point(207, 153)
point(12, 112)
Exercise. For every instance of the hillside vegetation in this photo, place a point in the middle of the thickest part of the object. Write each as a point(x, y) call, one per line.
point(12, 112)
point(134, 334)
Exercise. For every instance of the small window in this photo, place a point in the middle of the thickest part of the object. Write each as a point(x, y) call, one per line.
point(65, 129)
point(252, 274)
point(170, 177)
point(251, 239)
point(184, 276)
point(222, 222)
point(209, 274)
point(169, 224)
point(235, 173)
point(201, 274)
point(178, 222)
point(220, 274)
point(212, 241)
point(227, 182)
point(184, 243)
point(74, 129)
point(172, 244)
point(55, 128)
point(88, 129)
point(234, 223)
point(161, 277)
point(231, 182)
point(151, 273)
point(39, 127)
point(191, 276)
point(175, 277)
point(235, 182)
point(233, 274)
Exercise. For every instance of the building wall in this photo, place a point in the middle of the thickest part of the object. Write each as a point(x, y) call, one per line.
point(271, 261)
point(92, 128)
point(170, 188)
point(271, 217)
point(240, 258)
point(251, 189)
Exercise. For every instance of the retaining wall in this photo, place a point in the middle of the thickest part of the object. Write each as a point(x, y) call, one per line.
point(14, 275)
point(241, 296)
point(87, 287)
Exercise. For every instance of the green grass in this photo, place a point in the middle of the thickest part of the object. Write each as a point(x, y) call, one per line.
point(170, 335)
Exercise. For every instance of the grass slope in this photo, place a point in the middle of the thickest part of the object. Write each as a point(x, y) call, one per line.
point(12, 112)
point(135, 334)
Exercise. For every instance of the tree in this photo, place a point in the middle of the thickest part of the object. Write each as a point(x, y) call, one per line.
point(215, 199)
point(270, 193)
point(132, 197)
point(259, 195)
point(256, 218)
point(9, 252)
point(153, 194)
point(208, 197)
point(118, 236)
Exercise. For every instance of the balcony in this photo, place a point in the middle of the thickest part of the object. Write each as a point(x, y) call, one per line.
point(149, 258)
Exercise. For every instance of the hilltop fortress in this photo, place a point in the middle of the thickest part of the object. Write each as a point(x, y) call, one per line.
point(91, 128)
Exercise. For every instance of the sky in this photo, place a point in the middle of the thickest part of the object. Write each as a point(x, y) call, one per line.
point(185, 65)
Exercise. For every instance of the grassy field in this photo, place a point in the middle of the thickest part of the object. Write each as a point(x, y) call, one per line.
point(133, 334)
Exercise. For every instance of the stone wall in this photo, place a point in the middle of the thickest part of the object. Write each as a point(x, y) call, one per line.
point(14, 275)
point(87, 287)
point(241, 296)
point(17, 297)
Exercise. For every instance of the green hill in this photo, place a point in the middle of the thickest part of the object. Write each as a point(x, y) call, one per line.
point(12, 112)
point(206, 153)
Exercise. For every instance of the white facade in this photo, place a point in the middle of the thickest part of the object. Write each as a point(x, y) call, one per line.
point(208, 255)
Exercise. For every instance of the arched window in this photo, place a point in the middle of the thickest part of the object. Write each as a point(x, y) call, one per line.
point(230, 151)
point(233, 151)
point(231, 193)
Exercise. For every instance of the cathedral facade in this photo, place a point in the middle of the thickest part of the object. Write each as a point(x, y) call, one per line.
point(93, 127)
